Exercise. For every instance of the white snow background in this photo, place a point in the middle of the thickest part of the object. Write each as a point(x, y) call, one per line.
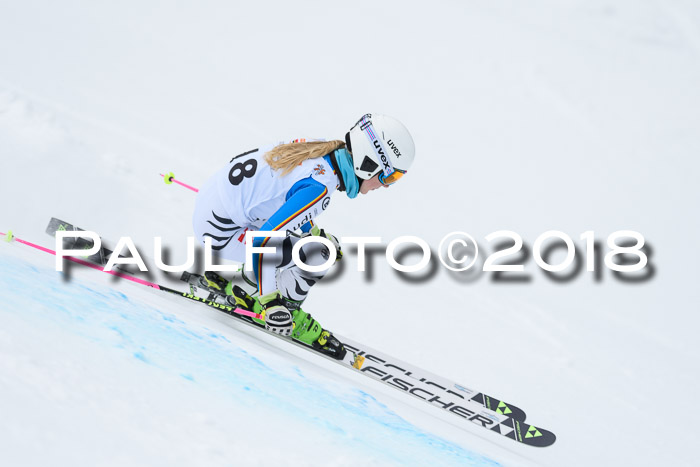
point(527, 116)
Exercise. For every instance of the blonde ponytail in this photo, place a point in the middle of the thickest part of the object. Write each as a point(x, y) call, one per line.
point(286, 157)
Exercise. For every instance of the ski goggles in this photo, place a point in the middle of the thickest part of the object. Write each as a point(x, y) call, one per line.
point(393, 177)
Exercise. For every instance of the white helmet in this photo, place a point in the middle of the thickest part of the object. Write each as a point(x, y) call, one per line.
point(379, 143)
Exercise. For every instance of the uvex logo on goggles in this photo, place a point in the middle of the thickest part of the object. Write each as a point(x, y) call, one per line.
point(386, 162)
point(368, 129)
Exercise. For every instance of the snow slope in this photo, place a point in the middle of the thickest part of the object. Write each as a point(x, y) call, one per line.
point(117, 376)
point(571, 115)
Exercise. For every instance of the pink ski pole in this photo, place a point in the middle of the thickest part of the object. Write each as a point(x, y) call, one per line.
point(9, 237)
point(169, 178)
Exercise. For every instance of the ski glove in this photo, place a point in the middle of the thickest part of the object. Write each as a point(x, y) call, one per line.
point(278, 318)
point(322, 233)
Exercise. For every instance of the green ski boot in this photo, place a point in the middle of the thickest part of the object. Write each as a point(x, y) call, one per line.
point(239, 298)
point(216, 283)
point(304, 328)
point(310, 332)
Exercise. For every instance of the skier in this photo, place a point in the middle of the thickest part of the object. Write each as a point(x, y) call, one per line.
point(284, 188)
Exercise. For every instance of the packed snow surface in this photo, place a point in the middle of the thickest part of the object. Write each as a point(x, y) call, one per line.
point(573, 116)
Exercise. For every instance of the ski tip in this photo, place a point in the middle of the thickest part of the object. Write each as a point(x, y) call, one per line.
point(531, 435)
point(168, 178)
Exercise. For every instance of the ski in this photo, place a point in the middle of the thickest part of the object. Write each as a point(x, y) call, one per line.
point(435, 390)
point(195, 281)
point(473, 406)
point(456, 391)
